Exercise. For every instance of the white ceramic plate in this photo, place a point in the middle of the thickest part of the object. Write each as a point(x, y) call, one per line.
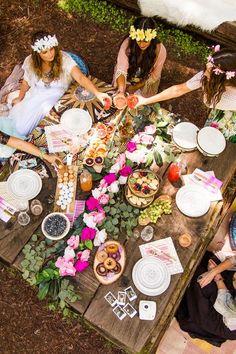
point(193, 200)
point(204, 152)
point(151, 276)
point(24, 184)
point(211, 140)
point(185, 135)
point(59, 237)
point(76, 120)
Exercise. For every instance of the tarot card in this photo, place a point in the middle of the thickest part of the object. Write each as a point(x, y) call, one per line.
point(130, 293)
point(130, 310)
point(119, 312)
point(111, 299)
point(121, 298)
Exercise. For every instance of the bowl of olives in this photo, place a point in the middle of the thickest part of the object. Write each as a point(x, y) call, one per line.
point(55, 226)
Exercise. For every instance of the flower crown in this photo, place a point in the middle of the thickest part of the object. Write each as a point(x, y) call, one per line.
point(44, 43)
point(216, 69)
point(141, 34)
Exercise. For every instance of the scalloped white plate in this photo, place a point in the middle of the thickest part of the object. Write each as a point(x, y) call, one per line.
point(24, 184)
point(185, 135)
point(76, 120)
point(193, 201)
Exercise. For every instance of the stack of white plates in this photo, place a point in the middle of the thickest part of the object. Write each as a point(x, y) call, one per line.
point(210, 141)
point(151, 276)
point(193, 201)
point(184, 135)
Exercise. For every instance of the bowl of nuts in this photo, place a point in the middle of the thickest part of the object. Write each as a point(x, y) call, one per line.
point(55, 226)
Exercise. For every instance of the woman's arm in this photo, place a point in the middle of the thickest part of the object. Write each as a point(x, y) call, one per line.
point(23, 89)
point(171, 92)
point(207, 277)
point(78, 76)
point(32, 149)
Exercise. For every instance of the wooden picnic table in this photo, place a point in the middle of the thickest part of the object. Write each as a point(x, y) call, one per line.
point(134, 334)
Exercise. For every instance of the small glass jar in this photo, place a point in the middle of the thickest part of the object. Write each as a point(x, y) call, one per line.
point(86, 181)
point(36, 207)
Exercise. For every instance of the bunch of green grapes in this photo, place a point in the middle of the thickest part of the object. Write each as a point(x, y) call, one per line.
point(155, 210)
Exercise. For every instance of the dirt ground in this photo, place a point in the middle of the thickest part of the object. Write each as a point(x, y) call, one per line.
point(26, 325)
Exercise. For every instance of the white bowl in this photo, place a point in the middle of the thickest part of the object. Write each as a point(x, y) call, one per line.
point(65, 232)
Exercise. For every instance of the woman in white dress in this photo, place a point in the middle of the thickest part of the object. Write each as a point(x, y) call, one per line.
point(48, 72)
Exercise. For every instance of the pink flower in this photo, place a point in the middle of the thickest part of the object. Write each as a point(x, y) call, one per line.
point(88, 233)
point(83, 256)
point(146, 139)
point(80, 266)
point(104, 199)
point(214, 125)
point(216, 48)
point(98, 216)
point(131, 146)
point(126, 171)
point(114, 187)
point(150, 129)
point(102, 184)
point(88, 219)
point(66, 268)
point(100, 237)
point(111, 177)
point(73, 241)
point(92, 204)
point(138, 156)
point(122, 179)
point(121, 160)
point(136, 139)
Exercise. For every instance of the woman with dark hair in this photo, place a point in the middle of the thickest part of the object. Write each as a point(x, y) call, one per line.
point(140, 59)
point(48, 72)
point(218, 83)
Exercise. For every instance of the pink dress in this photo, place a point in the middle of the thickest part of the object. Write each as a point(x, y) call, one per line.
point(151, 84)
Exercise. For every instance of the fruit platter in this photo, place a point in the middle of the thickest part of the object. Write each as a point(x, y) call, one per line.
point(137, 202)
point(144, 183)
point(109, 262)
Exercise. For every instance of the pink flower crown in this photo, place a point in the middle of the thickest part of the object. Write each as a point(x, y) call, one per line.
point(216, 69)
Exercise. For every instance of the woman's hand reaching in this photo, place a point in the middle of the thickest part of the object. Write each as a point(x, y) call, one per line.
point(53, 160)
point(142, 101)
point(207, 277)
point(104, 98)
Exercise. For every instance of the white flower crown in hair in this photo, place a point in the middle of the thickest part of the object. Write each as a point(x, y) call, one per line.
point(210, 62)
point(44, 43)
point(141, 34)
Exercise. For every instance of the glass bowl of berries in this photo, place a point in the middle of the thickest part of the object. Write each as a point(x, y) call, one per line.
point(144, 183)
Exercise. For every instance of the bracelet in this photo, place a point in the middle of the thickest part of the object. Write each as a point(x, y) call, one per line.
point(42, 154)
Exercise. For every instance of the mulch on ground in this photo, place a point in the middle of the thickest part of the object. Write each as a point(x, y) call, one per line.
point(26, 325)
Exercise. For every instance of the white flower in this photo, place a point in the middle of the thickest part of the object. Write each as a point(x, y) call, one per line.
point(100, 237)
point(114, 187)
point(96, 192)
point(122, 179)
point(115, 168)
point(88, 220)
point(69, 253)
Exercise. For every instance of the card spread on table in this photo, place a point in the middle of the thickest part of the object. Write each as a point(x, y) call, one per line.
point(165, 251)
point(206, 180)
point(6, 210)
point(59, 139)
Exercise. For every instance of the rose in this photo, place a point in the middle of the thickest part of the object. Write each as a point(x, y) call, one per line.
point(131, 146)
point(88, 234)
point(80, 266)
point(146, 139)
point(100, 237)
point(114, 187)
point(138, 156)
point(98, 216)
point(73, 241)
point(69, 254)
point(88, 220)
point(92, 204)
point(104, 199)
point(214, 125)
point(126, 171)
point(150, 129)
point(110, 178)
point(83, 255)
point(66, 268)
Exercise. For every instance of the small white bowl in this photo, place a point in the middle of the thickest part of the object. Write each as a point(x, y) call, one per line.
point(65, 232)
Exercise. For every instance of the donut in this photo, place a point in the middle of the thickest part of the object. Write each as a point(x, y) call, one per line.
point(112, 248)
point(101, 256)
point(117, 268)
point(101, 270)
point(115, 256)
point(109, 263)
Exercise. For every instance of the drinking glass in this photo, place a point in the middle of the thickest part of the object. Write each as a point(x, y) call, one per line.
point(23, 217)
point(176, 170)
point(36, 207)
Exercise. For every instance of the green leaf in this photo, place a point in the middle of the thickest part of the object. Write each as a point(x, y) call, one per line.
point(113, 211)
point(115, 221)
point(25, 275)
point(89, 244)
point(149, 159)
point(158, 158)
point(34, 238)
point(112, 201)
point(43, 290)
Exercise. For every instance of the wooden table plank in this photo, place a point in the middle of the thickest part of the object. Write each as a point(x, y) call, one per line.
point(134, 334)
point(13, 240)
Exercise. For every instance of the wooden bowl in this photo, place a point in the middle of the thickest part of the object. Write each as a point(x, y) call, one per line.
point(144, 202)
point(143, 181)
point(110, 277)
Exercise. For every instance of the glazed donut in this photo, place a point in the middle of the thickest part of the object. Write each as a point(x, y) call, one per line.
point(101, 270)
point(101, 256)
point(115, 256)
point(109, 263)
point(117, 268)
point(112, 248)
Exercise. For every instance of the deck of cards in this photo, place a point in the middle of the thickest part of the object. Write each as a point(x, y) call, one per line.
point(121, 308)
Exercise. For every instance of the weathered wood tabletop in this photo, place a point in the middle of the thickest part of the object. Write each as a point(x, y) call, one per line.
point(134, 334)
